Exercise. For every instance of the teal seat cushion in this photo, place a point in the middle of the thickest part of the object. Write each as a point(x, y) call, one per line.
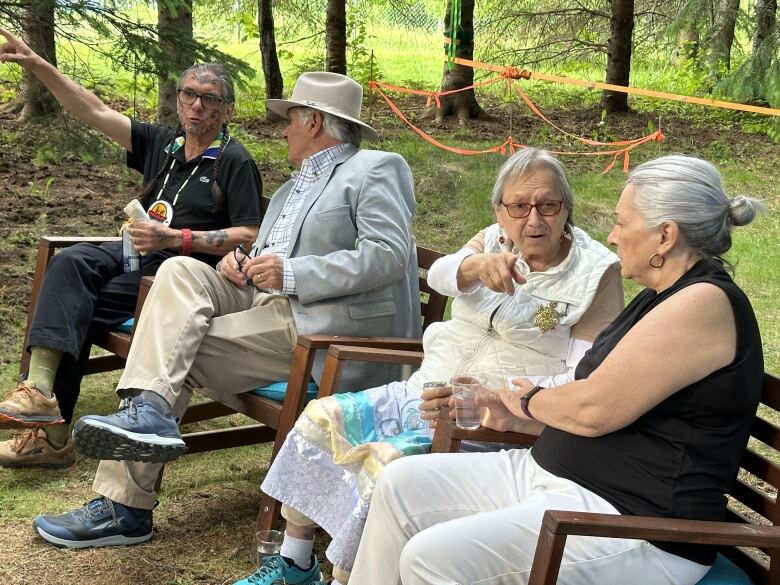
point(277, 390)
point(125, 327)
point(724, 572)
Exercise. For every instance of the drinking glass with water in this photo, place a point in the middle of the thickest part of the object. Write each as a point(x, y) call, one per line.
point(464, 392)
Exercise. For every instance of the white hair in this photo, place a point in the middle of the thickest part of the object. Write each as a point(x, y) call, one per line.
point(689, 191)
point(335, 127)
point(528, 159)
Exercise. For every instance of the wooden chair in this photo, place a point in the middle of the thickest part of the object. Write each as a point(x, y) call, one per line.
point(753, 515)
point(116, 343)
point(282, 416)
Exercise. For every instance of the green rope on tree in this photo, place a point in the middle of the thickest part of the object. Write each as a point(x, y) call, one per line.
point(454, 28)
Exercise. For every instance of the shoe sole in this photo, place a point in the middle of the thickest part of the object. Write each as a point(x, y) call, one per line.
point(99, 440)
point(117, 540)
point(10, 421)
point(31, 465)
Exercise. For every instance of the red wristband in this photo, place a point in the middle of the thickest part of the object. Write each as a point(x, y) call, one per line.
point(186, 242)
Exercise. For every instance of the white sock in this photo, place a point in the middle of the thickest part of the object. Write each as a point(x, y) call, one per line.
point(298, 550)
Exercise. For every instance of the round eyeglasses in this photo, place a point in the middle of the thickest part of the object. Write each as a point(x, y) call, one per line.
point(546, 208)
point(189, 97)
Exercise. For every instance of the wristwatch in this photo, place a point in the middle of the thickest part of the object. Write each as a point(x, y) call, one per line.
point(524, 400)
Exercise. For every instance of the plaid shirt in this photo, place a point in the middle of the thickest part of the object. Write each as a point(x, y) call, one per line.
point(303, 180)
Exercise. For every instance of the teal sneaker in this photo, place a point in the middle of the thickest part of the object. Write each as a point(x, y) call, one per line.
point(277, 571)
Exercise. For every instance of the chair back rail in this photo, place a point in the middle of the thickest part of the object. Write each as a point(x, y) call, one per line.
point(755, 492)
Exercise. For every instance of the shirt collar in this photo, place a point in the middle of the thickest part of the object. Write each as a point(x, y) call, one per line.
point(211, 152)
point(319, 162)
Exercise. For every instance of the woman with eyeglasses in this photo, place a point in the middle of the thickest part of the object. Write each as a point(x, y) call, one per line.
point(531, 292)
point(655, 423)
point(201, 192)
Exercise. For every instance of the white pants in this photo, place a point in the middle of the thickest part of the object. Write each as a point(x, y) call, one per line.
point(468, 518)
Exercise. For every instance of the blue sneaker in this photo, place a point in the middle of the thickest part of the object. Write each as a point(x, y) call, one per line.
point(101, 522)
point(136, 432)
point(277, 571)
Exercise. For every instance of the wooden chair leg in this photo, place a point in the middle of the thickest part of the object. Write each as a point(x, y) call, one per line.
point(444, 440)
point(270, 510)
point(158, 483)
point(300, 374)
point(547, 558)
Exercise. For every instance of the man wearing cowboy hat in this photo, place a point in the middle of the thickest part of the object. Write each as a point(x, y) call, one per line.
point(334, 255)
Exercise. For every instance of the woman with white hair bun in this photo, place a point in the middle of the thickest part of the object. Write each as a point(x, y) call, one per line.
point(654, 423)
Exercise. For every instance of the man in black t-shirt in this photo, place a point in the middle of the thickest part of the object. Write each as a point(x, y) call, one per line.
point(202, 193)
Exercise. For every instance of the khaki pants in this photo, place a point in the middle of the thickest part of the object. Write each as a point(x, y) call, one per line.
point(197, 330)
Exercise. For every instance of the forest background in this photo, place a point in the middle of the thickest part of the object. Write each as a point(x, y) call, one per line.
point(58, 177)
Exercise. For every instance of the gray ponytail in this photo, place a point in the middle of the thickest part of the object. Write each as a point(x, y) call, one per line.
point(690, 192)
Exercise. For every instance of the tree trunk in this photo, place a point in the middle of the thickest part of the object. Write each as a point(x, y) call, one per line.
point(274, 84)
point(687, 43)
point(723, 38)
point(619, 46)
point(766, 21)
point(172, 28)
point(336, 37)
point(462, 104)
point(34, 99)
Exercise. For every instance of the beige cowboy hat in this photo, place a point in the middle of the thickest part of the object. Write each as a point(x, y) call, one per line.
point(333, 93)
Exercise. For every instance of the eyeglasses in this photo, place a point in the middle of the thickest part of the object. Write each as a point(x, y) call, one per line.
point(241, 256)
point(546, 208)
point(208, 101)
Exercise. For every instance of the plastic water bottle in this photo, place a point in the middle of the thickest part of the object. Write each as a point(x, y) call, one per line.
point(131, 259)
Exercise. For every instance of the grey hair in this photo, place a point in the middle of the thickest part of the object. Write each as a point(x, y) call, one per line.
point(689, 191)
point(334, 126)
point(208, 72)
point(529, 159)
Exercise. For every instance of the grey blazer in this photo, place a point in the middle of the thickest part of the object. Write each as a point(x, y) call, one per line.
point(353, 256)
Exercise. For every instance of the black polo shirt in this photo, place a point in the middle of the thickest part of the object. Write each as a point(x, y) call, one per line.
point(195, 209)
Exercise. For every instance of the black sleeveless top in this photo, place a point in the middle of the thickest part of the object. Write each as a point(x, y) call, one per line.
point(679, 458)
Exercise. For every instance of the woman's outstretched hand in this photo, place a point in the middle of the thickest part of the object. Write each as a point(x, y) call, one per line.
point(496, 271)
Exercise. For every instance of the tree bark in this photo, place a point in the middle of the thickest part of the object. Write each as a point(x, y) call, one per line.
point(274, 84)
point(766, 21)
point(172, 28)
point(723, 38)
point(336, 37)
point(462, 104)
point(687, 43)
point(34, 100)
point(619, 48)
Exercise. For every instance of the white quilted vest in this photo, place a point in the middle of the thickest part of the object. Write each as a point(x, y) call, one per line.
point(493, 334)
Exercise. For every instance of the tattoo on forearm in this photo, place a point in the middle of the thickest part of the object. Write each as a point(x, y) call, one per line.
point(216, 238)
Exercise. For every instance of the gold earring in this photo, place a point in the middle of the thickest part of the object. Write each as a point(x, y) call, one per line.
point(659, 264)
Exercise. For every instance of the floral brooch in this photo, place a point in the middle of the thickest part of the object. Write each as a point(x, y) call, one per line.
point(547, 317)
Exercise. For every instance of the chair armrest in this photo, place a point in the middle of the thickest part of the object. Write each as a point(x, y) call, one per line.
point(338, 354)
point(325, 341)
point(57, 242)
point(143, 292)
point(447, 437)
point(557, 525)
point(663, 529)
